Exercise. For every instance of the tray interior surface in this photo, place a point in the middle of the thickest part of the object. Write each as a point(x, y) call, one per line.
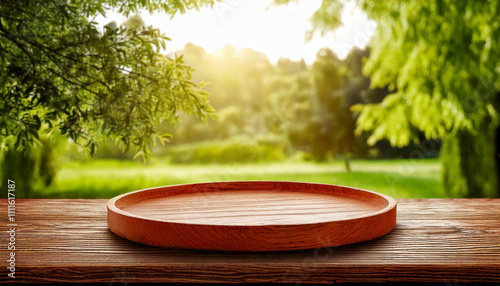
point(253, 207)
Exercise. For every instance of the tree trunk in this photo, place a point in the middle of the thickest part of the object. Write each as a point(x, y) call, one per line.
point(347, 163)
point(469, 163)
point(20, 168)
point(29, 171)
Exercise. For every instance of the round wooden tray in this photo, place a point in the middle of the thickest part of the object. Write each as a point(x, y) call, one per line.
point(251, 216)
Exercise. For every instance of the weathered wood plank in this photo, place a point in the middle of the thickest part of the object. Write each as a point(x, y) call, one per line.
point(437, 240)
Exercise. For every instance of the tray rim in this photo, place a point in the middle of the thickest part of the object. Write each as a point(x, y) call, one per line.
point(111, 205)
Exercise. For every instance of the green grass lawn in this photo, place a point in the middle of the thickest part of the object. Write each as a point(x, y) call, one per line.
point(108, 178)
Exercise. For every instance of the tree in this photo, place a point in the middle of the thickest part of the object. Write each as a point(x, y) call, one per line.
point(30, 171)
point(331, 78)
point(288, 110)
point(310, 106)
point(58, 70)
point(238, 79)
point(441, 60)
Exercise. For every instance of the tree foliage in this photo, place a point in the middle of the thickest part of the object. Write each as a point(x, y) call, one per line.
point(436, 56)
point(440, 58)
point(59, 70)
point(238, 79)
point(311, 105)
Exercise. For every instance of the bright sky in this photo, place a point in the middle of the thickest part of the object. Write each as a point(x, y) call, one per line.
point(276, 31)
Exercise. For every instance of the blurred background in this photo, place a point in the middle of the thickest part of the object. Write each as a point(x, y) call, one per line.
point(300, 97)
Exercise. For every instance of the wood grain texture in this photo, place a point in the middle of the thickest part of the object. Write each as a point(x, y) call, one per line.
point(436, 240)
point(251, 216)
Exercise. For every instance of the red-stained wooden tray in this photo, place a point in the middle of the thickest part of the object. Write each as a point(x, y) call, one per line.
point(251, 216)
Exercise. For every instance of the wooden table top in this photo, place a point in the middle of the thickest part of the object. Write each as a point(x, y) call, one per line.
point(435, 240)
